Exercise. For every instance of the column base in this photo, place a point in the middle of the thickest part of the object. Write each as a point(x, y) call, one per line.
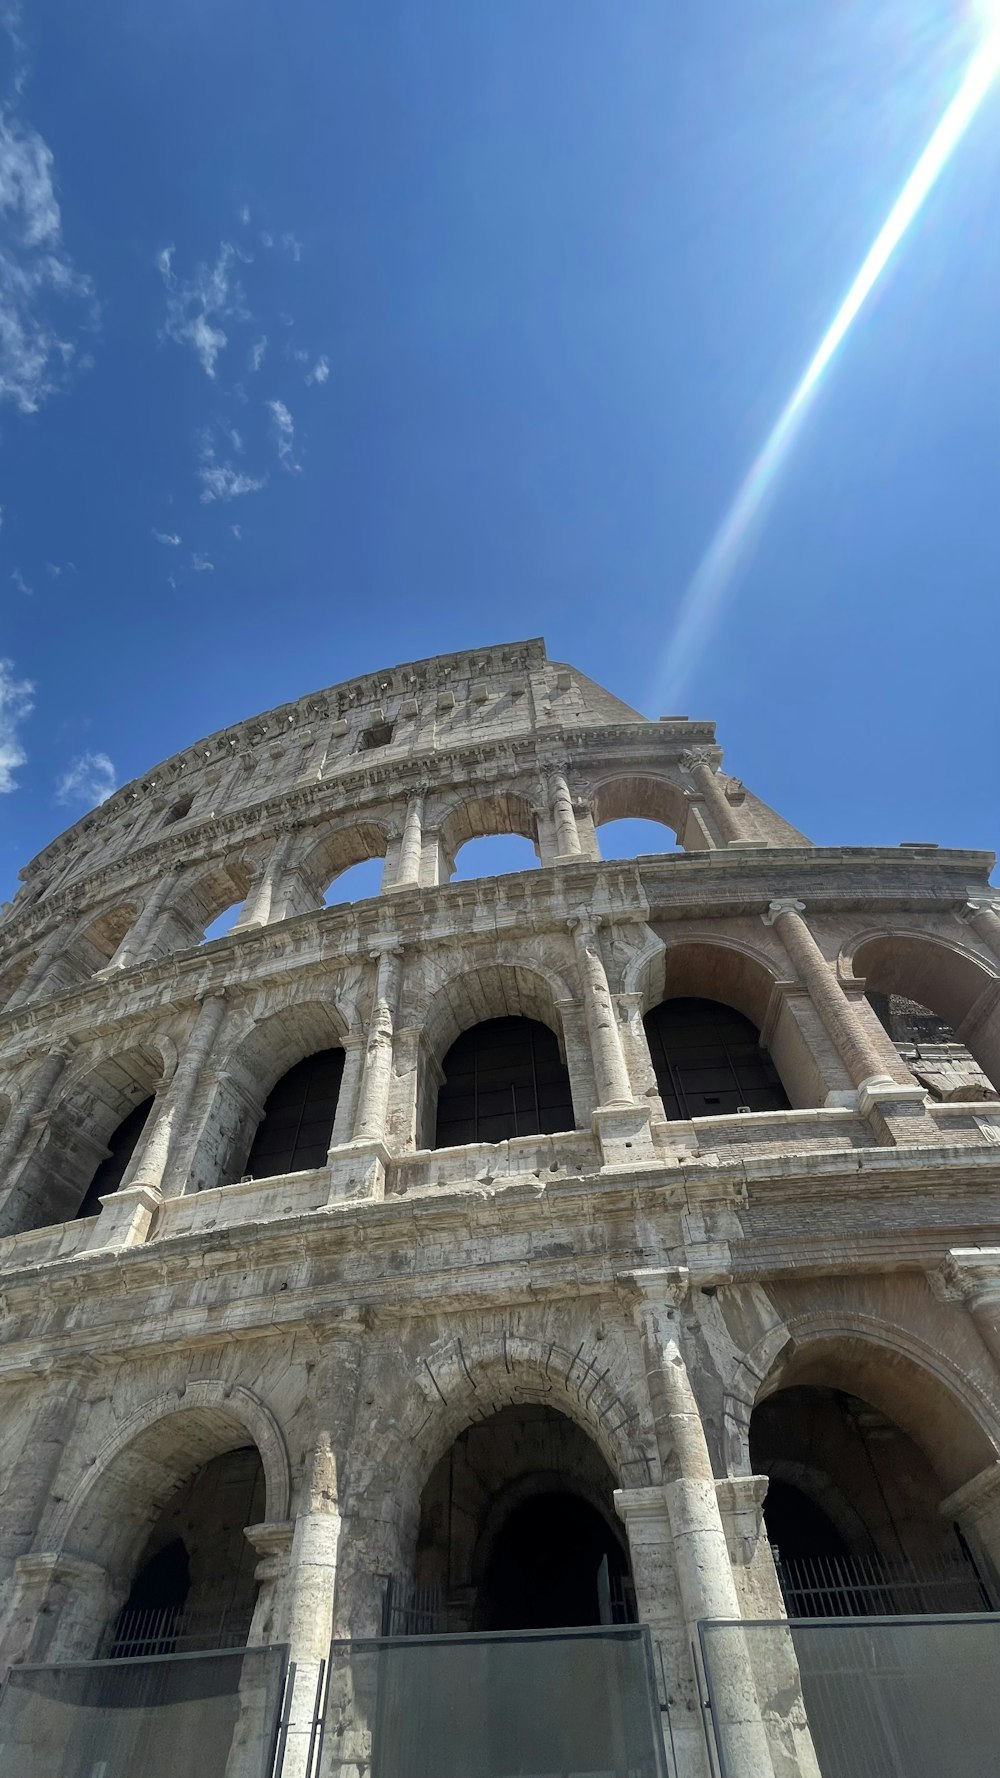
point(126, 1217)
point(357, 1170)
point(624, 1135)
point(897, 1113)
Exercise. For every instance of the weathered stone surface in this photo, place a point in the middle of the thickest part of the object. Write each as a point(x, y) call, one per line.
point(649, 1281)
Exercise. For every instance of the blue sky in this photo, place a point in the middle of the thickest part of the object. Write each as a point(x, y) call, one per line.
point(426, 327)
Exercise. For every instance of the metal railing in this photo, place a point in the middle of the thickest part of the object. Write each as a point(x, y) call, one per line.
point(174, 1631)
point(877, 1586)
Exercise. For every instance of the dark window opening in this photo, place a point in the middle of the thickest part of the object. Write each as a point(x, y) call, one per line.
point(294, 1133)
point(709, 1062)
point(379, 735)
point(503, 1078)
point(179, 810)
point(112, 1171)
point(553, 1560)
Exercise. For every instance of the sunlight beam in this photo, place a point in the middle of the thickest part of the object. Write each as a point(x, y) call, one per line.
point(706, 592)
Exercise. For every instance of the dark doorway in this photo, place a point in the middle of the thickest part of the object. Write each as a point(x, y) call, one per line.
point(796, 1526)
point(294, 1134)
point(709, 1062)
point(112, 1171)
point(545, 1566)
point(503, 1078)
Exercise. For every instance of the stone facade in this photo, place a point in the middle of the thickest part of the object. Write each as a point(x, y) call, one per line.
point(623, 1292)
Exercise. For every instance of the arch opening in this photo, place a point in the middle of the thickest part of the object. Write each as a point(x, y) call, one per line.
point(635, 837)
point(518, 1531)
point(294, 1133)
point(494, 817)
point(503, 1078)
point(646, 800)
point(359, 882)
point(193, 1587)
point(854, 1504)
point(90, 1138)
point(494, 855)
point(122, 1145)
point(929, 998)
point(709, 1060)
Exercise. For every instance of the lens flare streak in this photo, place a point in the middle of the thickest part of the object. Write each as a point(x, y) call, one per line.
point(706, 593)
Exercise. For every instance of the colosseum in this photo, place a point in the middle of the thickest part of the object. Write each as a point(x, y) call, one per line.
point(499, 1326)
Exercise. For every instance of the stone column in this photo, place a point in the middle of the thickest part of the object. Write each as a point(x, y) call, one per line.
point(54, 1608)
point(357, 1168)
point(158, 1163)
point(373, 1098)
point(610, 1068)
point(33, 1101)
point(411, 847)
point(982, 913)
point(568, 848)
point(701, 1556)
point(50, 947)
point(258, 905)
point(29, 1485)
point(621, 1124)
point(898, 1112)
point(971, 1275)
point(859, 1055)
point(723, 816)
point(133, 945)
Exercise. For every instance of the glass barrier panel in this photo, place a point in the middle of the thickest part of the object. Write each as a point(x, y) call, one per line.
point(537, 1704)
point(160, 1716)
point(857, 1698)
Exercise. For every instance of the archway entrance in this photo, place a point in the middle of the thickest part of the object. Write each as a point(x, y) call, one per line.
point(194, 1584)
point(853, 1512)
point(517, 1532)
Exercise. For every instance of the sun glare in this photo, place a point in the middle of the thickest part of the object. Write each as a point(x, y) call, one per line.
point(714, 576)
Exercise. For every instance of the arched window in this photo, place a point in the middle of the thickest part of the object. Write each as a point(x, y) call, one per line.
point(709, 1062)
point(112, 1171)
point(494, 855)
point(357, 883)
point(294, 1133)
point(503, 1078)
point(635, 838)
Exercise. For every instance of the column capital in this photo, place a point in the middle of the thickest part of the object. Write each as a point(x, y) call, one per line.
point(968, 1274)
point(655, 1287)
point(272, 1541)
point(701, 756)
point(980, 904)
point(642, 1506)
point(785, 904)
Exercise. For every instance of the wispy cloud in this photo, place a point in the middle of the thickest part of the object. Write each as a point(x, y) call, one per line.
point(42, 295)
point(237, 531)
point(166, 537)
point(197, 306)
point(257, 351)
point(245, 215)
point(223, 481)
point(89, 779)
point(320, 370)
point(293, 246)
point(202, 564)
point(16, 705)
point(220, 481)
point(283, 427)
point(21, 584)
point(53, 570)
